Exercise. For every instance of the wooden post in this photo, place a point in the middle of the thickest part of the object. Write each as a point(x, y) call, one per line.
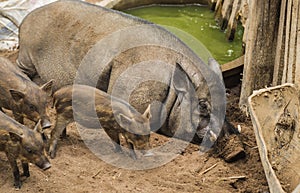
point(260, 47)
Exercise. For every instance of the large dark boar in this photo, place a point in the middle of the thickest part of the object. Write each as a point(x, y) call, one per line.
point(19, 94)
point(115, 117)
point(18, 141)
point(126, 57)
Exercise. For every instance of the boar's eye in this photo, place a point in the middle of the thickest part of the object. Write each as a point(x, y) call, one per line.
point(138, 136)
point(28, 149)
point(32, 108)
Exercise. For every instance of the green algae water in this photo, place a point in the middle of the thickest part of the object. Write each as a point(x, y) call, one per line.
point(198, 21)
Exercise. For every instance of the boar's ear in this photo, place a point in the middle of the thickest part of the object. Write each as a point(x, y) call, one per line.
point(147, 113)
point(47, 87)
point(181, 81)
point(124, 121)
point(15, 137)
point(16, 95)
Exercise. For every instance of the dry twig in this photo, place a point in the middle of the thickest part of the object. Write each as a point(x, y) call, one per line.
point(232, 178)
point(208, 169)
point(94, 176)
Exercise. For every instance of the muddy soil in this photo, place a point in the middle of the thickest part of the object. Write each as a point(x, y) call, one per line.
point(77, 170)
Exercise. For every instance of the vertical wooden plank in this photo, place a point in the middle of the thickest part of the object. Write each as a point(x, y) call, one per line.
point(232, 23)
point(280, 49)
point(245, 11)
point(218, 12)
point(212, 4)
point(219, 4)
point(292, 42)
point(287, 37)
point(251, 30)
point(297, 70)
point(226, 11)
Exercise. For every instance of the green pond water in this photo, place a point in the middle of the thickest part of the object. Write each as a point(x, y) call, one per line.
point(194, 25)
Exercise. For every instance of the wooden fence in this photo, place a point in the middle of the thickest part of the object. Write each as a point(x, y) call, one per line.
point(271, 39)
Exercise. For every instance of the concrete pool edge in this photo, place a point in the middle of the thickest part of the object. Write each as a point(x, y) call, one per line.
point(126, 4)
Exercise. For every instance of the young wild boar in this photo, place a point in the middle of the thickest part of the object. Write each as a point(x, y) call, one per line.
point(115, 116)
point(19, 94)
point(18, 141)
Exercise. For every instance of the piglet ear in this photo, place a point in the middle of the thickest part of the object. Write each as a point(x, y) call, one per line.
point(15, 137)
point(36, 127)
point(147, 113)
point(47, 87)
point(16, 95)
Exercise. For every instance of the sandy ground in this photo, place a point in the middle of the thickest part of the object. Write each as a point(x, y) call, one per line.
point(77, 169)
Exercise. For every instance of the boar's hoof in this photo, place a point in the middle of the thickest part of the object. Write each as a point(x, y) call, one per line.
point(52, 154)
point(18, 185)
point(26, 174)
point(52, 149)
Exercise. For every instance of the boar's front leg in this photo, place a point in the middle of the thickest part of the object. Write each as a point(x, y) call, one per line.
point(64, 134)
point(60, 127)
point(13, 163)
point(25, 167)
point(114, 136)
point(131, 150)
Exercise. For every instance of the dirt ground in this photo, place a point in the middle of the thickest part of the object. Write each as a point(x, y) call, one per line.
point(77, 169)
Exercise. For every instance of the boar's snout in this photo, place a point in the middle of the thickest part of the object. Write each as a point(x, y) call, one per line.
point(46, 166)
point(147, 153)
point(46, 123)
point(43, 163)
point(142, 144)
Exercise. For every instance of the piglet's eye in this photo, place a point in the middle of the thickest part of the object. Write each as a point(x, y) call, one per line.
point(32, 108)
point(28, 150)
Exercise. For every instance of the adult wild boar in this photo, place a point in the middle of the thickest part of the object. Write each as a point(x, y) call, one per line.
point(19, 94)
point(126, 57)
point(18, 141)
point(114, 115)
